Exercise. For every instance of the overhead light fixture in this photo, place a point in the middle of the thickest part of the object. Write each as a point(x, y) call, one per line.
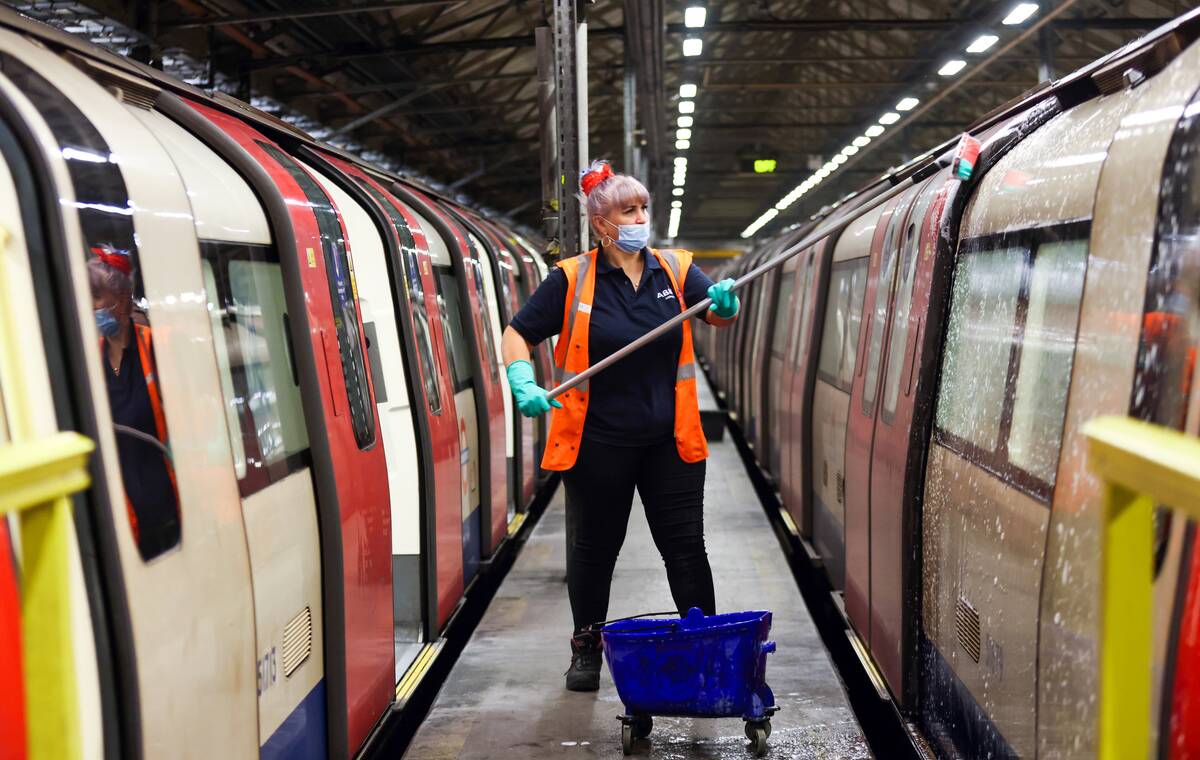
point(849, 150)
point(677, 192)
point(861, 142)
point(683, 144)
point(874, 131)
point(676, 204)
point(1020, 13)
point(681, 161)
point(830, 167)
point(687, 90)
point(765, 165)
point(684, 121)
point(822, 173)
point(687, 106)
point(838, 160)
point(683, 134)
point(760, 222)
point(695, 16)
point(693, 46)
point(907, 104)
point(950, 68)
point(679, 181)
point(891, 117)
point(673, 222)
point(982, 43)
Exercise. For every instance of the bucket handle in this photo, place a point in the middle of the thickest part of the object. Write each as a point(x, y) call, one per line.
point(598, 626)
point(768, 647)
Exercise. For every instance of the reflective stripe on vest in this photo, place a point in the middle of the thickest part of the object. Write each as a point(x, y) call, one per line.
point(571, 358)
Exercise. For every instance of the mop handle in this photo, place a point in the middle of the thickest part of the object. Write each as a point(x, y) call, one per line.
point(822, 231)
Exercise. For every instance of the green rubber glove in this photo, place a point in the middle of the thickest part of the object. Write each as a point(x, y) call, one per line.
point(531, 397)
point(725, 303)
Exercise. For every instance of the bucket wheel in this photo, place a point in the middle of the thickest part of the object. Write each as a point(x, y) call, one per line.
point(634, 728)
point(757, 731)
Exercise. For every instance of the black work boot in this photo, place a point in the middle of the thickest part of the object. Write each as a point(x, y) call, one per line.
point(586, 658)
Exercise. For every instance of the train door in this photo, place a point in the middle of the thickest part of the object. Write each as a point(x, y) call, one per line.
point(756, 369)
point(788, 305)
point(831, 392)
point(887, 241)
point(464, 368)
point(399, 420)
point(543, 362)
point(166, 508)
point(325, 332)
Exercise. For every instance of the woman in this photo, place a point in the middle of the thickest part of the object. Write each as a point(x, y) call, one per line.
point(634, 425)
point(137, 412)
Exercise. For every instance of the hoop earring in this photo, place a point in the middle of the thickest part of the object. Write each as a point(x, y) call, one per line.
point(606, 241)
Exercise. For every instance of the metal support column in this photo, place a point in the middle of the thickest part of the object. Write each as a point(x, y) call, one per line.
point(548, 131)
point(632, 156)
point(1046, 54)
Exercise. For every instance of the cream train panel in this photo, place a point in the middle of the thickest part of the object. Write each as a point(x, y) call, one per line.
point(395, 413)
point(191, 609)
point(30, 406)
point(1122, 241)
point(493, 306)
point(223, 205)
point(285, 556)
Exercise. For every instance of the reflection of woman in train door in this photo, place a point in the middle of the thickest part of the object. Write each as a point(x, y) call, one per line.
point(137, 411)
point(634, 426)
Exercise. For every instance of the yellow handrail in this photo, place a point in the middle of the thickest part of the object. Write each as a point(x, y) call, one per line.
point(1141, 465)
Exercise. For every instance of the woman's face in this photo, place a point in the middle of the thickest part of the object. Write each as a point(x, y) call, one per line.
point(633, 213)
point(120, 306)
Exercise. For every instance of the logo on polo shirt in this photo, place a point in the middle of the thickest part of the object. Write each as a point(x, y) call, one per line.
point(668, 293)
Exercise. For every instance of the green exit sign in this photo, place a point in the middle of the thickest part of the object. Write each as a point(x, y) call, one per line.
point(764, 165)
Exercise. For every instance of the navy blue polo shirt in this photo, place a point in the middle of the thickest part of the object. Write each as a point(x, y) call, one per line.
point(632, 403)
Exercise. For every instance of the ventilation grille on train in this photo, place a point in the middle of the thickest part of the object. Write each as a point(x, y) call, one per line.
point(841, 488)
point(297, 641)
point(126, 88)
point(967, 621)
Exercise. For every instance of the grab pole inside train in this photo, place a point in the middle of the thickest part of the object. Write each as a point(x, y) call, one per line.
point(967, 143)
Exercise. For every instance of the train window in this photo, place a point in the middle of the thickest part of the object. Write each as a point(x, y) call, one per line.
point(410, 263)
point(843, 314)
point(978, 344)
point(1047, 349)
point(883, 306)
point(802, 305)
point(779, 339)
point(125, 336)
point(339, 270)
point(259, 375)
point(475, 273)
point(456, 343)
point(224, 368)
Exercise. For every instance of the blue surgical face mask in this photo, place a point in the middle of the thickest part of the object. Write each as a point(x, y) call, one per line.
point(106, 323)
point(632, 238)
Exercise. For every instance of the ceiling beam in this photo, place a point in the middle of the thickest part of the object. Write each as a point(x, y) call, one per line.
point(289, 15)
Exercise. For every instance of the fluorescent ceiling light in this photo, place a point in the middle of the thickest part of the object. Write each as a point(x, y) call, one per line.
point(679, 181)
point(685, 121)
point(760, 222)
point(681, 160)
point(693, 46)
point(677, 192)
point(874, 131)
point(907, 104)
point(829, 167)
point(823, 172)
point(683, 134)
point(952, 67)
point(694, 17)
point(982, 43)
point(849, 150)
point(687, 106)
point(838, 160)
point(687, 90)
point(676, 204)
point(673, 222)
point(1019, 13)
point(891, 117)
point(683, 144)
point(861, 142)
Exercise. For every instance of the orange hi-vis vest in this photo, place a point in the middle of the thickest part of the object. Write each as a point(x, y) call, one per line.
point(571, 358)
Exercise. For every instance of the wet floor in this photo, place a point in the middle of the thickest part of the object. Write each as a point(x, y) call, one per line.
point(505, 696)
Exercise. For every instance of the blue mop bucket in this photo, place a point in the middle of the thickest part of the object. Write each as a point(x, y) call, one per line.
point(697, 666)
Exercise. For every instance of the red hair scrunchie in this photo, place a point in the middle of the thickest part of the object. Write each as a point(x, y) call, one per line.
point(122, 262)
point(593, 177)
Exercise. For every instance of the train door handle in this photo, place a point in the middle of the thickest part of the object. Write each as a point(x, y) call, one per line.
point(329, 376)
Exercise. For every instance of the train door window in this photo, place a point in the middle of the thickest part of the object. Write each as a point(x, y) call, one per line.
point(251, 329)
point(883, 306)
point(343, 293)
point(802, 306)
point(1047, 349)
point(225, 369)
point(786, 286)
point(124, 331)
point(475, 276)
point(837, 311)
point(410, 264)
point(853, 321)
point(898, 341)
point(978, 344)
point(457, 345)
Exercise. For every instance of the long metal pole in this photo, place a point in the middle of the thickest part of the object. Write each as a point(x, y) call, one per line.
point(821, 231)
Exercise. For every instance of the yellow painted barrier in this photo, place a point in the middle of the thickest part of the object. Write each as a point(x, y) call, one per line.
point(1142, 465)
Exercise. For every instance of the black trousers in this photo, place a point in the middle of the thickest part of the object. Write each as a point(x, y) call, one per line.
point(599, 492)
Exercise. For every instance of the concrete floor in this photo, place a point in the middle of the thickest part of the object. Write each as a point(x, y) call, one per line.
point(505, 696)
